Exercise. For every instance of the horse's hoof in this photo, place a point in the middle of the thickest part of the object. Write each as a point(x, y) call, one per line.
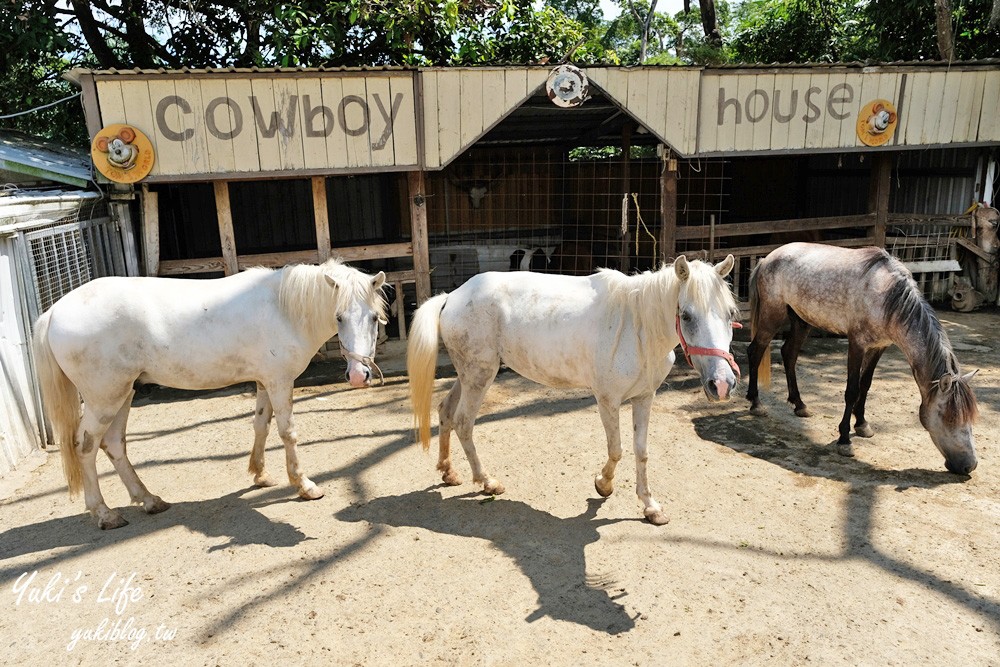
point(758, 410)
point(863, 430)
point(604, 488)
point(451, 478)
point(111, 521)
point(802, 412)
point(845, 449)
point(264, 480)
point(656, 516)
point(493, 488)
point(311, 493)
point(156, 506)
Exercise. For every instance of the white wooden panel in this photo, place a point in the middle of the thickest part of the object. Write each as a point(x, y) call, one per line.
point(948, 114)
point(690, 93)
point(782, 110)
point(743, 139)
point(536, 78)
point(195, 147)
point(139, 113)
point(849, 126)
point(220, 151)
point(404, 131)
point(758, 105)
point(815, 100)
point(797, 126)
point(917, 85)
point(515, 83)
point(314, 124)
point(471, 106)
point(449, 114)
point(109, 93)
point(615, 84)
point(969, 105)
point(336, 141)
point(725, 131)
point(356, 117)
point(935, 106)
point(261, 113)
point(245, 143)
point(432, 149)
point(383, 154)
point(659, 109)
point(289, 107)
point(170, 153)
point(889, 87)
point(989, 117)
point(494, 97)
point(638, 90)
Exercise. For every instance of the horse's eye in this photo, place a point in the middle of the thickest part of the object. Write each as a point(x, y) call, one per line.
point(686, 316)
point(340, 319)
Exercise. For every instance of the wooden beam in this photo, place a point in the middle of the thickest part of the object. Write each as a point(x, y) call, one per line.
point(381, 251)
point(322, 217)
point(878, 194)
point(181, 267)
point(225, 216)
point(771, 226)
point(668, 210)
point(418, 231)
point(151, 230)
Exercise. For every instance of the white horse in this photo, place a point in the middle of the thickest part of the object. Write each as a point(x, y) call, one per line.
point(261, 325)
point(609, 333)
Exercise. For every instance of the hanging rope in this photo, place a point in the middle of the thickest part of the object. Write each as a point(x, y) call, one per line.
point(638, 215)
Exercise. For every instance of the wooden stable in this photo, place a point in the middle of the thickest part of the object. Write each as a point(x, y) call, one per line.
point(233, 125)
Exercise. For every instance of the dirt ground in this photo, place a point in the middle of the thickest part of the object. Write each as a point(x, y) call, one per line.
point(778, 551)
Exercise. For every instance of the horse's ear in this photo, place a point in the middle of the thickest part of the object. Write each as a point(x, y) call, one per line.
point(378, 280)
point(946, 383)
point(329, 279)
point(968, 376)
point(681, 267)
point(725, 266)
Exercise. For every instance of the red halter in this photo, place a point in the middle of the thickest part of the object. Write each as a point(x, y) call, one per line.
point(707, 351)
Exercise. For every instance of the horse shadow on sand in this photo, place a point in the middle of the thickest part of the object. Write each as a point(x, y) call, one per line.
point(230, 516)
point(549, 550)
point(751, 436)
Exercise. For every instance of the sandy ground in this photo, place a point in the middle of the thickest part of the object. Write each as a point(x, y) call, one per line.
point(779, 550)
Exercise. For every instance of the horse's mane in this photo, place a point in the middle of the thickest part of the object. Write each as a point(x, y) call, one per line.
point(650, 299)
point(306, 297)
point(906, 308)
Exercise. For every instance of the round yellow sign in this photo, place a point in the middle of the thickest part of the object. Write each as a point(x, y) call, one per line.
point(122, 153)
point(877, 122)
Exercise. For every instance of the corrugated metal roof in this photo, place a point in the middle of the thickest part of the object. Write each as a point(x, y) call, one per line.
point(75, 74)
point(43, 159)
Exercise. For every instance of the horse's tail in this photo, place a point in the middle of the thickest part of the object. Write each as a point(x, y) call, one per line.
point(60, 402)
point(421, 362)
point(764, 368)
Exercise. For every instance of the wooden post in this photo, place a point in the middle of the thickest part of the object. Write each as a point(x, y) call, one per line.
point(322, 216)
point(878, 194)
point(225, 215)
point(624, 264)
point(151, 230)
point(668, 208)
point(418, 231)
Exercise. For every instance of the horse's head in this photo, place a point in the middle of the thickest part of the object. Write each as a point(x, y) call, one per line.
point(360, 309)
point(947, 411)
point(706, 317)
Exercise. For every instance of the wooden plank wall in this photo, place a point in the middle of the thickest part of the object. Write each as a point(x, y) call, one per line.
point(460, 104)
point(226, 126)
point(759, 110)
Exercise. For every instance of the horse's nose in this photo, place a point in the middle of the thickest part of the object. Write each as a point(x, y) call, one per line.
point(963, 467)
point(359, 377)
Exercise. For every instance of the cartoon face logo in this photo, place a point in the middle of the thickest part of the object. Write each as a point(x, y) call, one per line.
point(121, 152)
point(881, 119)
point(877, 122)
